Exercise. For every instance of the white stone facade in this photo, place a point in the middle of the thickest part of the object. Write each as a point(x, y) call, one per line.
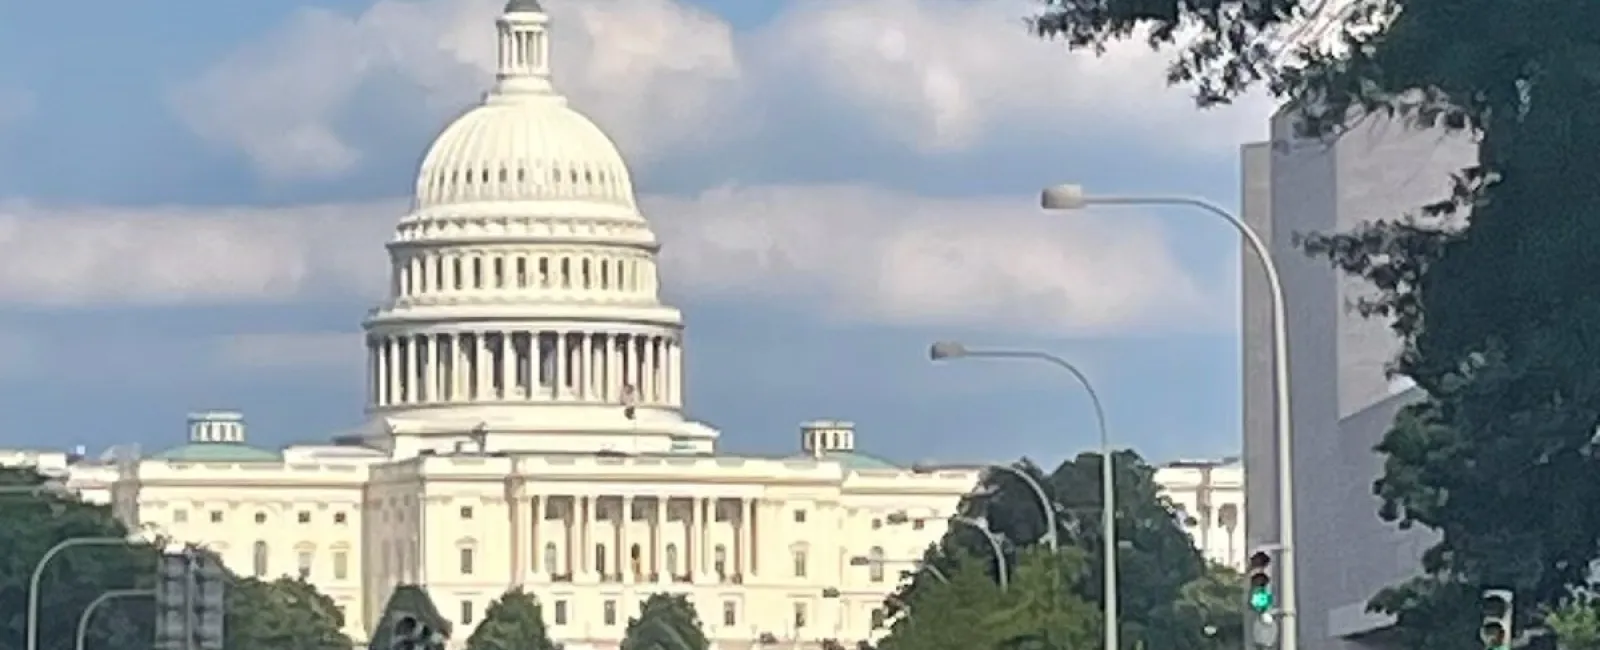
point(1209, 497)
point(526, 424)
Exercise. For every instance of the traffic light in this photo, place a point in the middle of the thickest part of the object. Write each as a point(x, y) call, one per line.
point(1259, 577)
point(1496, 631)
point(191, 601)
point(409, 633)
point(210, 601)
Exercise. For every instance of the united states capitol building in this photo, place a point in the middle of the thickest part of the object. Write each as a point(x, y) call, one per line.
point(526, 424)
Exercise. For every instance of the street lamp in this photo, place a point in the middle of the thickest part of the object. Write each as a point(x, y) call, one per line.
point(88, 612)
point(1003, 574)
point(1072, 197)
point(38, 574)
point(1108, 494)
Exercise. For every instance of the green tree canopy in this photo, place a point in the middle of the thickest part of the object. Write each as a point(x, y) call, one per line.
point(1156, 558)
point(36, 521)
point(972, 611)
point(515, 621)
point(1576, 623)
point(665, 622)
point(1487, 288)
point(282, 614)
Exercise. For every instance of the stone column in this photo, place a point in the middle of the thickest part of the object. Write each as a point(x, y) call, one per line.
point(539, 504)
point(569, 524)
point(563, 358)
point(508, 366)
point(658, 542)
point(586, 547)
point(613, 367)
point(480, 366)
point(586, 367)
point(462, 366)
point(675, 380)
point(380, 375)
point(514, 503)
point(707, 516)
point(413, 362)
point(744, 538)
point(624, 546)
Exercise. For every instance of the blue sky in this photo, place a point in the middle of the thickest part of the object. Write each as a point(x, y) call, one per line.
point(194, 198)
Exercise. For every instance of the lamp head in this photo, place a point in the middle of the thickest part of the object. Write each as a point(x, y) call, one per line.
point(946, 350)
point(1063, 197)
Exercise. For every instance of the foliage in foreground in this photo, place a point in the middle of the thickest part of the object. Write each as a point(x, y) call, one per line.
point(277, 615)
point(1169, 596)
point(515, 621)
point(1489, 288)
point(665, 622)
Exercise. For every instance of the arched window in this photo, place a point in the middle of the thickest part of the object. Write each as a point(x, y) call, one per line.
point(875, 564)
point(672, 559)
point(600, 559)
point(719, 560)
point(634, 562)
point(550, 558)
point(258, 560)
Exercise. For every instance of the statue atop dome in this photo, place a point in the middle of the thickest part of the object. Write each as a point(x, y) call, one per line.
point(517, 6)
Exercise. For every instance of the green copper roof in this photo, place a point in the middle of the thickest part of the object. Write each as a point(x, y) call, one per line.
point(219, 452)
point(858, 461)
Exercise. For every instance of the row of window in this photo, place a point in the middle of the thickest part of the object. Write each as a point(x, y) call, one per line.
point(428, 273)
point(305, 562)
point(445, 184)
point(216, 517)
point(561, 613)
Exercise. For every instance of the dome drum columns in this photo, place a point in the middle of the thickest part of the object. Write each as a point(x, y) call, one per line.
point(433, 369)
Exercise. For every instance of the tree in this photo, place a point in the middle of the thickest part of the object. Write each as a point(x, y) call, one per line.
point(515, 621)
point(409, 600)
point(1157, 558)
point(665, 622)
point(1576, 623)
point(34, 522)
point(972, 611)
point(1488, 288)
point(1210, 611)
point(282, 614)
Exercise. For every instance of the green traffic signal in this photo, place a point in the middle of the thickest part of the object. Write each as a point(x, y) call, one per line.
point(1260, 600)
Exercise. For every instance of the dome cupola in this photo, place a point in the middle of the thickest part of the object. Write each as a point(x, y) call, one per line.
point(522, 142)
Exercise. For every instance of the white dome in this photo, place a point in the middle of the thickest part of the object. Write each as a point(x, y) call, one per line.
point(523, 149)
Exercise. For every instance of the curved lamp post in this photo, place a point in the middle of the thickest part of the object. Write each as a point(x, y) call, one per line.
point(1045, 502)
point(1003, 573)
point(1072, 197)
point(38, 574)
point(88, 612)
point(1108, 493)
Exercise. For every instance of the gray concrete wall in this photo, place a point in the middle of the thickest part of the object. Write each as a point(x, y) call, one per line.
point(1341, 398)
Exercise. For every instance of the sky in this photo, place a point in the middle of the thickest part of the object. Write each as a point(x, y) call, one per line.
point(194, 198)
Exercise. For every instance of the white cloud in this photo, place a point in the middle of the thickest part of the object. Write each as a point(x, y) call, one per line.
point(290, 351)
point(76, 256)
point(879, 256)
point(662, 77)
point(859, 254)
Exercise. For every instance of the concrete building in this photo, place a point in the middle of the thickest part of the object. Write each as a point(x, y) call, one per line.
point(1208, 496)
point(526, 423)
point(1342, 399)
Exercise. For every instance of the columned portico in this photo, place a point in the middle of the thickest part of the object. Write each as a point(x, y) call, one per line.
point(634, 538)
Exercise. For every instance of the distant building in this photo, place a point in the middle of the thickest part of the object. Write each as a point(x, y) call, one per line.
point(1209, 496)
point(1342, 400)
point(526, 424)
